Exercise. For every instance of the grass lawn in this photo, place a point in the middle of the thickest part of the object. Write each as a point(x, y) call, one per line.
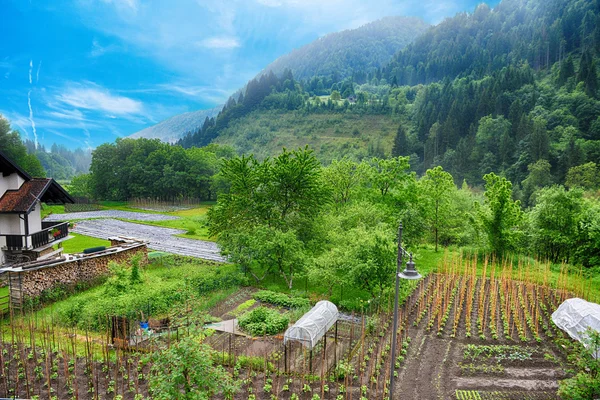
point(81, 242)
point(47, 210)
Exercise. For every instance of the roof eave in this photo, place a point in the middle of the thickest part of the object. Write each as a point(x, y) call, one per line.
point(18, 169)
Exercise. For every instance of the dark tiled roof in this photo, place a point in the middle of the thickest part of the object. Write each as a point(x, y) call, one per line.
point(23, 200)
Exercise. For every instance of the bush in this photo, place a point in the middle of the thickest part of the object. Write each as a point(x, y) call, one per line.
point(163, 289)
point(281, 299)
point(586, 383)
point(263, 321)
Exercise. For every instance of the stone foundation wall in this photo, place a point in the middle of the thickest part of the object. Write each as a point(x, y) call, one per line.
point(82, 270)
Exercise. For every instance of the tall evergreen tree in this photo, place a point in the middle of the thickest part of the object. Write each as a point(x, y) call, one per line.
point(400, 142)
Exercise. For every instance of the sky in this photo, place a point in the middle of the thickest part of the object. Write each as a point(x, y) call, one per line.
point(84, 72)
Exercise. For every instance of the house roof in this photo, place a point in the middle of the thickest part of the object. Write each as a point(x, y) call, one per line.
point(23, 200)
point(8, 167)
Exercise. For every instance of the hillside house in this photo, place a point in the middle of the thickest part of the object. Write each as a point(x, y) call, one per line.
point(23, 235)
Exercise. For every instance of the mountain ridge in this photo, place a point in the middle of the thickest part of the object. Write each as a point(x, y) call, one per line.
point(387, 36)
point(174, 128)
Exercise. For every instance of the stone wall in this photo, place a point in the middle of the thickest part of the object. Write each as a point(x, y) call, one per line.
point(81, 270)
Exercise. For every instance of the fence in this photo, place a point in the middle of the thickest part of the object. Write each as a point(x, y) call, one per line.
point(164, 204)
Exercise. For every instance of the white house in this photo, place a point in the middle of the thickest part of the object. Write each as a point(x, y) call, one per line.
point(23, 235)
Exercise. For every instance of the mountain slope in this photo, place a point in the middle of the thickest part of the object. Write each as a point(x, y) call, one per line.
point(341, 53)
point(172, 129)
point(331, 134)
point(539, 32)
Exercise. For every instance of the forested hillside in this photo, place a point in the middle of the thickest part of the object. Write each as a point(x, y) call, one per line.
point(512, 90)
point(539, 32)
point(353, 52)
point(59, 162)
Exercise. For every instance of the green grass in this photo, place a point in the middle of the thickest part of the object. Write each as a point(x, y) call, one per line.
point(81, 242)
point(3, 293)
point(47, 210)
point(332, 135)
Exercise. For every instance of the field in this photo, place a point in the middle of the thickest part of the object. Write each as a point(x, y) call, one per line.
point(332, 135)
point(468, 330)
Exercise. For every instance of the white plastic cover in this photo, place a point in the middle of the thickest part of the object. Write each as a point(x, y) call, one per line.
point(313, 325)
point(575, 316)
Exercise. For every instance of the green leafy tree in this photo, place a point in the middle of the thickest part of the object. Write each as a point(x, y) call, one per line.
point(80, 186)
point(585, 385)
point(388, 173)
point(555, 222)
point(438, 187)
point(343, 177)
point(587, 251)
point(584, 176)
point(185, 370)
point(13, 147)
point(265, 250)
point(284, 192)
point(539, 176)
point(500, 214)
point(336, 96)
point(372, 259)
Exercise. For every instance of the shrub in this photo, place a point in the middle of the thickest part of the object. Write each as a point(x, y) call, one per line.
point(263, 321)
point(281, 299)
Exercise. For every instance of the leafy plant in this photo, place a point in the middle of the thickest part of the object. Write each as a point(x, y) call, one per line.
point(263, 321)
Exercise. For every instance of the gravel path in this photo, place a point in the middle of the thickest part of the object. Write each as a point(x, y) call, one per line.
point(158, 238)
point(136, 216)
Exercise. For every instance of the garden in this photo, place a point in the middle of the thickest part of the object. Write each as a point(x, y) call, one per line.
point(471, 329)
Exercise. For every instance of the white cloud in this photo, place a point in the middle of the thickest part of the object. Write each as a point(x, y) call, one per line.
point(37, 74)
point(98, 49)
point(94, 97)
point(67, 114)
point(30, 70)
point(35, 137)
point(213, 94)
point(220, 42)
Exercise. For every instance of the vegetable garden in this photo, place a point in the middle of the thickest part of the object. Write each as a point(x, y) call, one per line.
point(465, 332)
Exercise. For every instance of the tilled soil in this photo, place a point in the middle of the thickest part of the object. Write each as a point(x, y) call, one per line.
point(432, 367)
point(158, 238)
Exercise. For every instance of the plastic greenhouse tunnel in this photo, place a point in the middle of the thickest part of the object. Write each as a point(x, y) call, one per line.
point(313, 325)
point(575, 316)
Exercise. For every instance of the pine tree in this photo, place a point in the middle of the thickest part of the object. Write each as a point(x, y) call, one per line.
point(400, 143)
point(567, 70)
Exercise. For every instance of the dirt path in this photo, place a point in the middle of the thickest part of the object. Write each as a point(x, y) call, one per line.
point(158, 238)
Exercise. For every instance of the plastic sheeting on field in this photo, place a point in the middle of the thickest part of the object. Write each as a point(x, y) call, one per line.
point(575, 316)
point(313, 325)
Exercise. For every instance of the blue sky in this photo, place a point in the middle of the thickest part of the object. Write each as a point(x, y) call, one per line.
point(84, 72)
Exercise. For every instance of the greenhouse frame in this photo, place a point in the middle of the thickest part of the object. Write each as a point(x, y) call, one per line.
point(313, 325)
